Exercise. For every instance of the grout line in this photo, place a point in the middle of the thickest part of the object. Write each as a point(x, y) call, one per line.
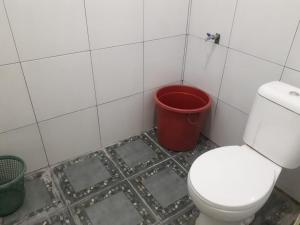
point(169, 155)
point(185, 50)
point(232, 106)
point(117, 99)
point(23, 74)
point(53, 56)
point(166, 37)
point(157, 217)
point(240, 51)
point(88, 50)
point(186, 40)
point(189, 17)
point(13, 129)
point(290, 49)
point(233, 20)
point(255, 56)
point(171, 218)
point(143, 109)
point(290, 68)
point(178, 164)
point(127, 179)
point(10, 63)
point(93, 73)
point(115, 46)
point(65, 114)
point(225, 62)
point(82, 109)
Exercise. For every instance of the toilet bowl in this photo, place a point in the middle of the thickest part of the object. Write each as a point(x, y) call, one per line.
point(230, 184)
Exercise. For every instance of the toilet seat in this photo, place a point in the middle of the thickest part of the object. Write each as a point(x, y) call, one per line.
point(233, 178)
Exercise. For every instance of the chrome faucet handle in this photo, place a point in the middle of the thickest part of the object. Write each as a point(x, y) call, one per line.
point(216, 37)
point(209, 37)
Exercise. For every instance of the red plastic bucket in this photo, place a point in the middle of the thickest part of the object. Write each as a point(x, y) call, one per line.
point(181, 111)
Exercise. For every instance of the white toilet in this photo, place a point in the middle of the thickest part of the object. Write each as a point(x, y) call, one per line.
point(230, 184)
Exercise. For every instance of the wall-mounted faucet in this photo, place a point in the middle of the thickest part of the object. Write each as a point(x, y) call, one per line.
point(216, 37)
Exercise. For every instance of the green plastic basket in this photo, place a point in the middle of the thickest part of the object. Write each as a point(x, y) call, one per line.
point(12, 191)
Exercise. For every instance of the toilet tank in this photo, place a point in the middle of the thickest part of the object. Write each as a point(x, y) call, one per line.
point(273, 127)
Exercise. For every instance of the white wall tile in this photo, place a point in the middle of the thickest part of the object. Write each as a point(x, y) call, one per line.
point(149, 109)
point(165, 18)
point(121, 119)
point(71, 135)
point(16, 110)
point(118, 71)
point(291, 77)
point(228, 125)
point(212, 16)
point(8, 52)
point(60, 85)
point(114, 22)
point(265, 28)
point(207, 129)
point(48, 27)
point(163, 61)
point(243, 75)
point(25, 143)
point(204, 65)
point(293, 59)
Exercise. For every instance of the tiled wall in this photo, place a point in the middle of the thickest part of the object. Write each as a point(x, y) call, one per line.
point(260, 42)
point(78, 75)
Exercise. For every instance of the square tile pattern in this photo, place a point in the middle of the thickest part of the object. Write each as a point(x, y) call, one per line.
point(86, 175)
point(156, 186)
point(119, 205)
point(135, 154)
point(97, 194)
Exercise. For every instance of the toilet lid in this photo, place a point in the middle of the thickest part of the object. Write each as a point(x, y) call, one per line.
point(232, 177)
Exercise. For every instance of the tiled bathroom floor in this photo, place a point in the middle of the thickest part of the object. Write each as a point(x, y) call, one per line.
point(134, 182)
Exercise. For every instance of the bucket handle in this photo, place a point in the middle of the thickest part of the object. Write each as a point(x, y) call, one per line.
point(189, 120)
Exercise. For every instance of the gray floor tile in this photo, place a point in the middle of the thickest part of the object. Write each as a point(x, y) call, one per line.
point(186, 217)
point(93, 184)
point(279, 210)
point(80, 177)
point(41, 197)
point(161, 186)
point(86, 175)
point(119, 205)
point(164, 188)
point(135, 154)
